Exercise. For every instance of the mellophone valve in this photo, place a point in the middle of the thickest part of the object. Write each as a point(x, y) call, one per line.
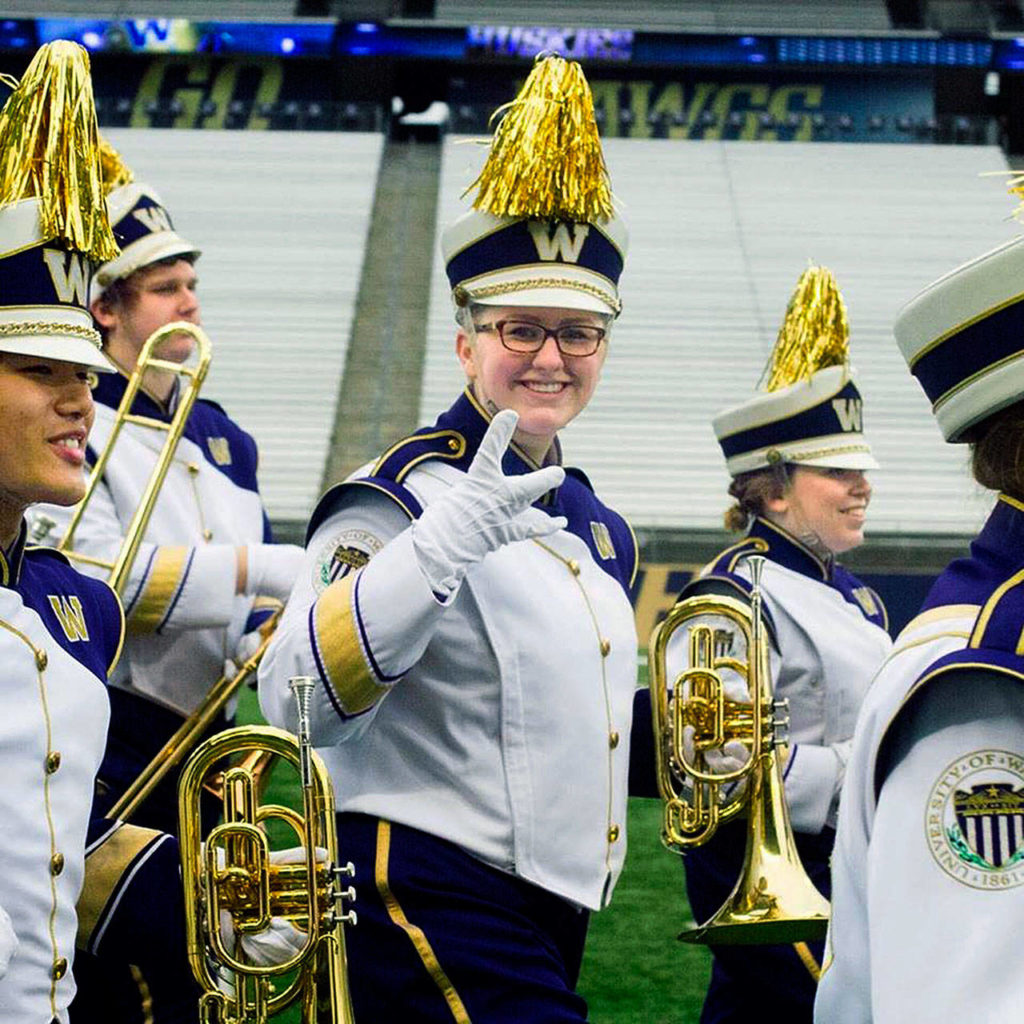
point(234, 873)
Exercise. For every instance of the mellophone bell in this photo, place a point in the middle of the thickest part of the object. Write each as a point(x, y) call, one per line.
point(758, 671)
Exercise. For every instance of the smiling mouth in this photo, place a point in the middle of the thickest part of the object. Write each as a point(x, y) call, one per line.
point(550, 387)
point(70, 447)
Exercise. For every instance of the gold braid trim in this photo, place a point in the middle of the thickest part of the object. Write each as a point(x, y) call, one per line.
point(537, 282)
point(52, 327)
point(848, 449)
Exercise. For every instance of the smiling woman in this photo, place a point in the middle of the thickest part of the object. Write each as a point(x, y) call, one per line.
point(465, 606)
point(798, 461)
point(542, 363)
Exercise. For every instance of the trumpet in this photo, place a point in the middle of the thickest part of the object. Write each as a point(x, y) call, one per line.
point(773, 901)
point(232, 872)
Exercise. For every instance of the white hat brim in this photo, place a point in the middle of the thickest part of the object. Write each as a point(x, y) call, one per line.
point(59, 347)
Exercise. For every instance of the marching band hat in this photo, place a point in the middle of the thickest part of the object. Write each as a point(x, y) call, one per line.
point(53, 218)
point(142, 225)
point(809, 411)
point(543, 230)
point(961, 337)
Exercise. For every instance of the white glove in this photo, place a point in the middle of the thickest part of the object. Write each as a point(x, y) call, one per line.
point(273, 569)
point(8, 941)
point(733, 754)
point(483, 511)
point(282, 940)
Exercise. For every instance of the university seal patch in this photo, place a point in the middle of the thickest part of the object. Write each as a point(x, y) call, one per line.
point(975, 820)
point(343, 554)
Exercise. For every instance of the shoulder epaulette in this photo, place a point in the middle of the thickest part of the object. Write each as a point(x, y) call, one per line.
point(966, 662)
point(213, 405)
point(727, 560)
point(396, 463)
point(578, 474)
point(47, 552)
point(391, 469)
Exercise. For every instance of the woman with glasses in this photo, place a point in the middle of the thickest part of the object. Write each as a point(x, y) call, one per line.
point(797, 459)
point(466, 607)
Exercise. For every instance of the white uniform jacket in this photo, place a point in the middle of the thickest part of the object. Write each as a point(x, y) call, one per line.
point(498, 720)
point(928, 866)
point(184, 617)
point(60, 632)
point(829, 636)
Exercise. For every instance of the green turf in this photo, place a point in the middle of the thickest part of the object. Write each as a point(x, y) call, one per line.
point(634, 969)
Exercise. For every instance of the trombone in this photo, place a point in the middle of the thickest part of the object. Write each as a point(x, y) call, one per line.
point(773, 901)
point(233, 872)
point(119, 569)
point(194, 376)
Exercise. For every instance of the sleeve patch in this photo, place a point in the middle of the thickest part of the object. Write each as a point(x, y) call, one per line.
point(343, 554)
point(974, 822)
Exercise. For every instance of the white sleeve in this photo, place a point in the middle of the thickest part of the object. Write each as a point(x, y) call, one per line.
point(169, 588)
point(813, 778)
point(360, 616)
point(943, 922)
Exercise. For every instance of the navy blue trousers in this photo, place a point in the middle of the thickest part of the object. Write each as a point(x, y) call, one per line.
point(444, 938)
point(749, 981)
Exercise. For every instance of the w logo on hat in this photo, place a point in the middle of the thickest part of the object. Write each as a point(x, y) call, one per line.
point(153, 218)
point(850, 412)
point(564, 244)
point(69, 273)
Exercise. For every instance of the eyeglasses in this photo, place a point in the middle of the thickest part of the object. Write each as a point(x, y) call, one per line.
point(526, 337)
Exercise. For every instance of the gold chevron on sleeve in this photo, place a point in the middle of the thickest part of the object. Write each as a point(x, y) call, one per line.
point(341, 654)
point(103, 870)
point(162, 583)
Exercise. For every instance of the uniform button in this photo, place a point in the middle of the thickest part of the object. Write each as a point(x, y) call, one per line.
point(193, 468)
point(613, 739)
point(52, 761)
point(606, 646)
point(59, 968)
point(613, 833)
point(41, 660)
point(207, 534)
point(574, 566)
point(56, 863)
point(453, 445)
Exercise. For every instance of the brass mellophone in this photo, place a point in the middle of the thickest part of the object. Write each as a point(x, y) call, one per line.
point(773, 900)
point(233, 872)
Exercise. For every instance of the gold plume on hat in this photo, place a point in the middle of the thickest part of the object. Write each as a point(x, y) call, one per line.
point(49, 149)
point(815, 333)
point(114, 171)
point(546, 160)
